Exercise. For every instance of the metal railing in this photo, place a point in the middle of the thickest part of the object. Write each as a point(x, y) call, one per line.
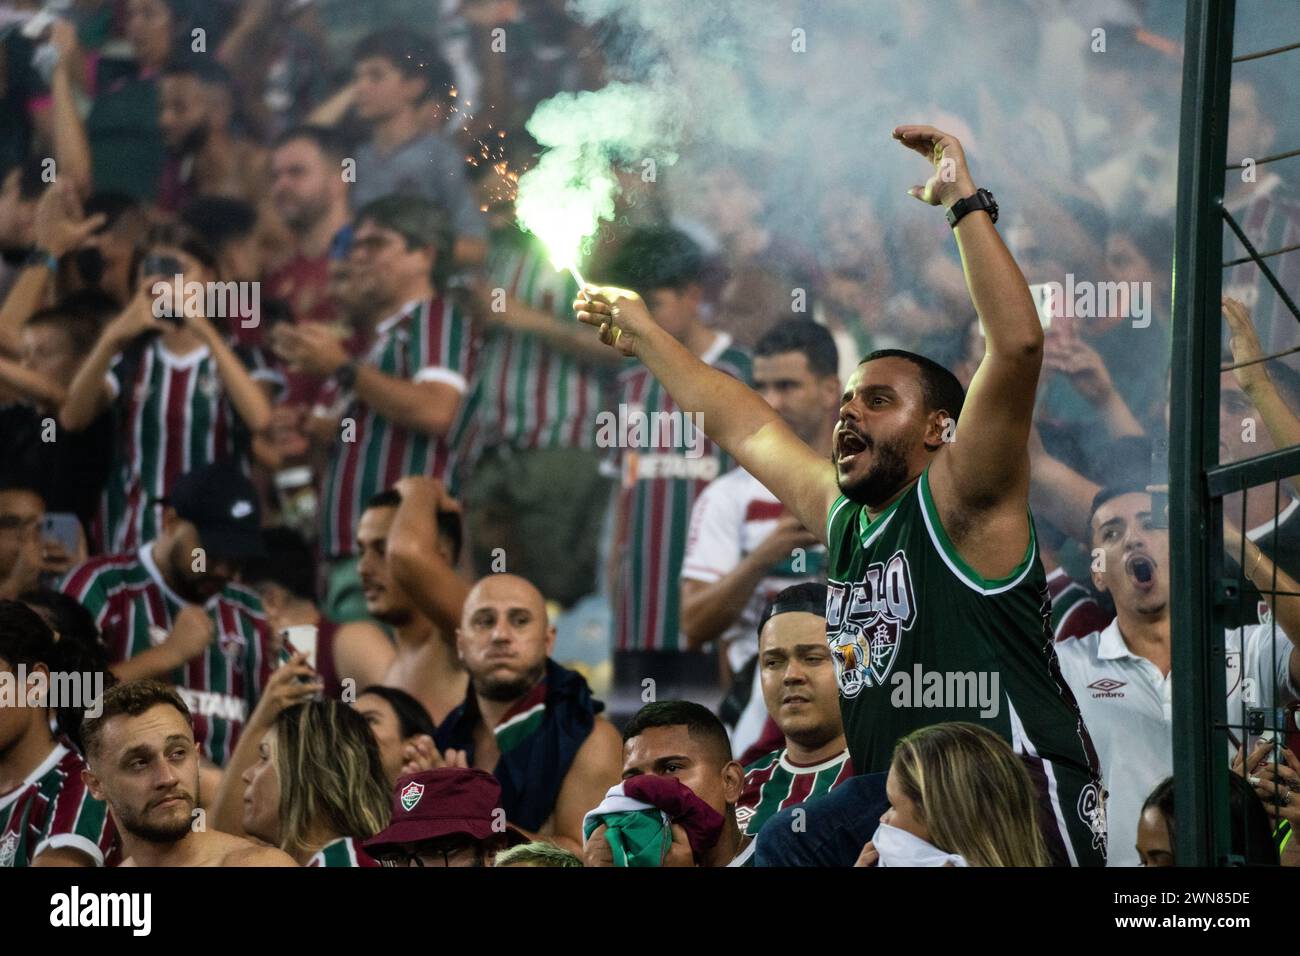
point(1202, 592)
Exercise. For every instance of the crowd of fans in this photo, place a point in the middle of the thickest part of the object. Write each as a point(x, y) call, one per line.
point(305, 455)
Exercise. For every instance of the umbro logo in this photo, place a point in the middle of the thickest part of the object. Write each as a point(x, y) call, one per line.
point(241, 509)
point(1106, 687)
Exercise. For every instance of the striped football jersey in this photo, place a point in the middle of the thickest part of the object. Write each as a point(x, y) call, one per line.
point(659, 488)
point(1075, 612)
point(134, 609)
point(345, 851)
point(774, 783)
point(427, 341)
point(528, 395)
point(172, 415)
point(52, 809)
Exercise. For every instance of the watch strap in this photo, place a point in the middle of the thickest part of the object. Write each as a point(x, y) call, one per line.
point(43, 257)
point(981, 199)
point(346, 376)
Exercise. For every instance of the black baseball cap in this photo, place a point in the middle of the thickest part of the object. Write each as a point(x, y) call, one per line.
point(221, 502)
point(807, 597)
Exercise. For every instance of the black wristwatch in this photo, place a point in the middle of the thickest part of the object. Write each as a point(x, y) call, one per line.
point(346, 376)
point(983, 199)
point(42, 257)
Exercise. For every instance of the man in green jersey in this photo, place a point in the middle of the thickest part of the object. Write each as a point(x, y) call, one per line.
point(937, 607)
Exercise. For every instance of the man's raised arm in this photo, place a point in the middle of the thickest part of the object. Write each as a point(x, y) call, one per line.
point(986, 467)
point(733, 415)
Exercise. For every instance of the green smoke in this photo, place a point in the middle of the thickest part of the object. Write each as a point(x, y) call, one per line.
point(573, 187)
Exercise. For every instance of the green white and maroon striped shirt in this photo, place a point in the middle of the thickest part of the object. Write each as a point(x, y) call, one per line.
point(522, 719)
point(52, 809)
point(427, 341)
point(660, 486)
point(343, 852)
point(172, 415)
point(774, 783)
point(526, 394)
point(134, 610)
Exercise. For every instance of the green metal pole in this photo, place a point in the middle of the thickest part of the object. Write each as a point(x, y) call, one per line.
point(1200, 754)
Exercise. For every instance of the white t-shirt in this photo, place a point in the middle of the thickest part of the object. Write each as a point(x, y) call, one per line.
point(1127, 705)
point(731, 518)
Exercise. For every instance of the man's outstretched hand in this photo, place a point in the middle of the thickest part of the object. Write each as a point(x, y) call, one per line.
point(619, 314)
point(951, 179)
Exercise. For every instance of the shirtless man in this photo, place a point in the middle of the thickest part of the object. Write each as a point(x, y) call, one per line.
point(143, 762)
point(426, 666)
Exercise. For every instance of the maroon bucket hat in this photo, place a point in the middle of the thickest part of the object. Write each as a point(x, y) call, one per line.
point(449, 801)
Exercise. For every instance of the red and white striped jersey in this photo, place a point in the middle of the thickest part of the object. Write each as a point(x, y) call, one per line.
point(1075, 612)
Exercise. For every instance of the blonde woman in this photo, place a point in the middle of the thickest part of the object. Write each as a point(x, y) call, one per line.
point(958, 796)
point(317, 789)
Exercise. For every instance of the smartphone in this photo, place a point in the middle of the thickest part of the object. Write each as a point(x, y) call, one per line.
point(301, 639)
point(64, 528)
point(156, 265)
point(1257, 734)
point(275, 312)
point(165, 268)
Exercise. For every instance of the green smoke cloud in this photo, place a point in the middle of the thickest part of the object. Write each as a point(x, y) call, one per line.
point(573, 187)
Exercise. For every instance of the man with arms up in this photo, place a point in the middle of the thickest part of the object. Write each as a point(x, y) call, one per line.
point(143, 762)
point(425, 663)
point(933, 562)
point(354, 654)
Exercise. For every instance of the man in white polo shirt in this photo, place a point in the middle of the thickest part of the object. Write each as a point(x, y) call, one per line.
point(1121, 675)
point(743, 547)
